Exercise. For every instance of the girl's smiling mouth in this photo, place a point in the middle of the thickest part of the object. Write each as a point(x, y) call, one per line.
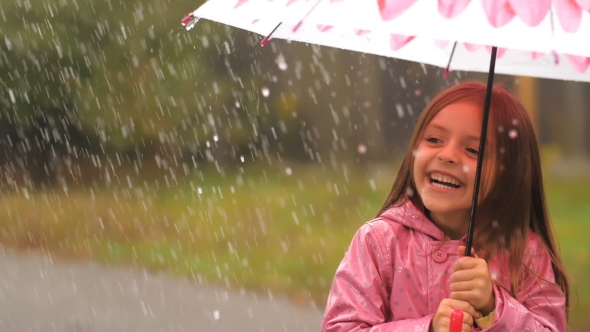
point(443, 181)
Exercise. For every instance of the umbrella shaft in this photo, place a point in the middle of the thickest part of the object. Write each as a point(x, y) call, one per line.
point(482, 145)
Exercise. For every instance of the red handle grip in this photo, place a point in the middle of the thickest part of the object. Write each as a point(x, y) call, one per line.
point(456, 321)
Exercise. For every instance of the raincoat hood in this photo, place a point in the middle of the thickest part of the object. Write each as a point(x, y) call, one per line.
point(411, 216)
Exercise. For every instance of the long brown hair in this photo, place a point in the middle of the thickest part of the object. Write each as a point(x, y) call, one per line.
point(515, 202)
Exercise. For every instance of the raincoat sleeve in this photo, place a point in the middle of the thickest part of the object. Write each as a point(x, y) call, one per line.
point(542, 303)
point(359, 297)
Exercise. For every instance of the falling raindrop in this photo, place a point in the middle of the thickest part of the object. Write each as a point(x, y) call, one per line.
point(12, 98)
point(466, 168)
point(409, 192)
point(373, 185)
point(400, 110)
point(215, 138)
point(265, 92)
point(402, 82)
point(281, 63)
point(288, 171)
point(362, 149)
point(513, 133)
point(495, 224)
point(216, 315)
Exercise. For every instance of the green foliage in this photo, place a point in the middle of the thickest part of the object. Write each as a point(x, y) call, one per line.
point(125, 71)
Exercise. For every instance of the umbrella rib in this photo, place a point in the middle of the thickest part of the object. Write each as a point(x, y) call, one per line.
point(300, 23)
point(482, 144)
point(448, 70)
point(297, 26)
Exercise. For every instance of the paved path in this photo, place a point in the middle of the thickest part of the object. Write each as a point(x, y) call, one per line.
point(38, 293)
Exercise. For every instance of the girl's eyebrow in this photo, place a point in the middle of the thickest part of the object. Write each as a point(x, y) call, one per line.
point(445, 130)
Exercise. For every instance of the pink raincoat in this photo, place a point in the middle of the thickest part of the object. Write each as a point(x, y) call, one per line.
point(397, 270)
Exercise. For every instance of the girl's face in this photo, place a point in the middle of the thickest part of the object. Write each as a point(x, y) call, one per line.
point(445, 163)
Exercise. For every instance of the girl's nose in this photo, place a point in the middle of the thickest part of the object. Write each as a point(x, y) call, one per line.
point(448, 155)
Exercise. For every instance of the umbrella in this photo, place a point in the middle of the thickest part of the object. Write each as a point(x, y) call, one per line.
point(540, 38)
point(534, 37)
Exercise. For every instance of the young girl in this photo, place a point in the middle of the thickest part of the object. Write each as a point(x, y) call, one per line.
point(406, 270)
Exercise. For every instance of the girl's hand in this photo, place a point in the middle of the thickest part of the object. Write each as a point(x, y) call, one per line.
point(442, 319)
point(472, 282)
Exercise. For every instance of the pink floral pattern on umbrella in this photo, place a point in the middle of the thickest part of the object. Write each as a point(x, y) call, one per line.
point(500, 53)
point(537, 55)
point(361, 32)
point(391, 9)
point(396, 42)
point(531, 12)
point(452, 8)
point(569, 13)
point(584, 4)
point(579, 63)
point(239, 3)
point(499, 12)
point(471, 47)
point(441, 43)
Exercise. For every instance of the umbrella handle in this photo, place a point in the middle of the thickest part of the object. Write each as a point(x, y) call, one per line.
point(456, 321)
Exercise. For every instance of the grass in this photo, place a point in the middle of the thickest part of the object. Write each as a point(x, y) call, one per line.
point(568, 203)
point(274, 229)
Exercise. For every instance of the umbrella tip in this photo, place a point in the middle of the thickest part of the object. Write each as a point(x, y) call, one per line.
point(446, 73)
point(187, 19)
point(264, 41)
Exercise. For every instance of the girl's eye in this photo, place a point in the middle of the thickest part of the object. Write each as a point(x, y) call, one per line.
point(433, 140)
point(473, 151)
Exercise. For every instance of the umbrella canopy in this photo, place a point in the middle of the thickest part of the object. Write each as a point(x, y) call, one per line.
point(541, 38)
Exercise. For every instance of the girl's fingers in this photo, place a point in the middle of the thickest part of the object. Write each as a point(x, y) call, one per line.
point(461, 286)
point(463, 306)
point(461, 296)
point(463, 275)
point(468, 319)
point(466, 327)
point(465, 263)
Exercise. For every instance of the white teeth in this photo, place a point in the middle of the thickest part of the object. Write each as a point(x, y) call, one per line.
point(444, 178)
point(439, 185)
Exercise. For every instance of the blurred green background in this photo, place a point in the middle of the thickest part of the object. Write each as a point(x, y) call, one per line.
point(127, 140)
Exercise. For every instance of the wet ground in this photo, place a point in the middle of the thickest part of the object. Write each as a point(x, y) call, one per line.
point(41, 293)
